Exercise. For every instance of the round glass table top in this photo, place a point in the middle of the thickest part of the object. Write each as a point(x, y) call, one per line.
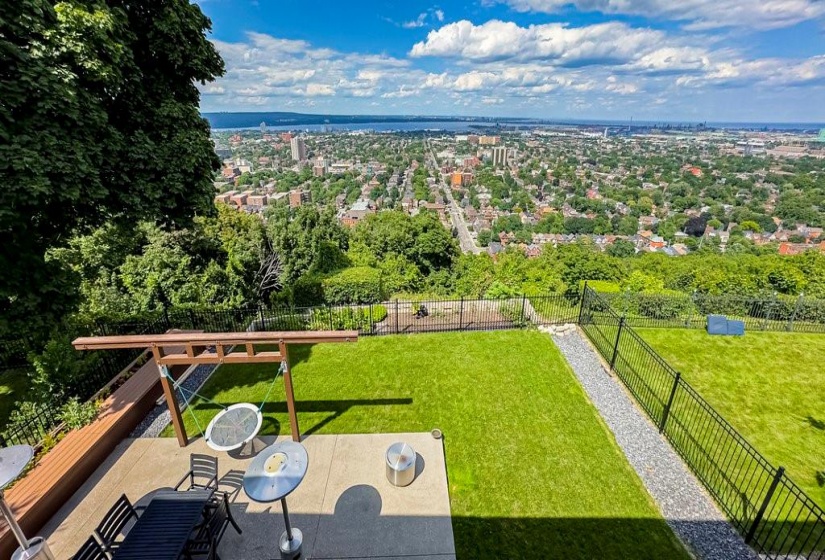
point(233, 427)
point(13, 461)
point(276, 471)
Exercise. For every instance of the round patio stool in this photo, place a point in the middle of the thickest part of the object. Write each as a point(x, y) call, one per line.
point(400, 464)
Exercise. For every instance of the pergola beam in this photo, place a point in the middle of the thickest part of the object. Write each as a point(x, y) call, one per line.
point(186, 348)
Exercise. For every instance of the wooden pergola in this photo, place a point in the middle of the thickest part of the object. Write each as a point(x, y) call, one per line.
point(192, 348)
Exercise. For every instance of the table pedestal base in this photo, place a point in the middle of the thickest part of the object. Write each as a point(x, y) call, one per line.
point(291, 549)
point(37, 549)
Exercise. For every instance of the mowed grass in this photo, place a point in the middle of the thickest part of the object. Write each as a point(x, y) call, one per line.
point(770, 386)
point(533, 471)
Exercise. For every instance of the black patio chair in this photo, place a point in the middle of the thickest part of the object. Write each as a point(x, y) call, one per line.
point(202, 475)
point(112, 528)
point(208, 536)
point(91, 550)
point(231, 484)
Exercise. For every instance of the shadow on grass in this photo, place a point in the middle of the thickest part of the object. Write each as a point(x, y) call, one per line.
point(815, 423)
point(336, 408)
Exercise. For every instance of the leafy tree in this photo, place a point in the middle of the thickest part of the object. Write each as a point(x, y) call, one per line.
point(297, 236)
point(621, 248)
point(99, 122)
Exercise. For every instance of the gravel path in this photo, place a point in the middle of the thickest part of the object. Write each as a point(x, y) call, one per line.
point(159, 417)
point(684, 504)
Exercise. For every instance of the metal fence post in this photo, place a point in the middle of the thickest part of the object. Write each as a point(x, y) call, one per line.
point(166, 320)
point(396, 316)
point(666, 411)
point(795, 309)
point(690, 309)
point(372, 325)
point(523, 302)
point(461, 315)
point(192, 319)
point(263, 319)
point(581, 301)
point(329, 312)
point(616, 343)
point(771, 305)
point(780, 472)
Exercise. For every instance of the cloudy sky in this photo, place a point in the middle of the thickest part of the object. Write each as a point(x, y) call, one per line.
point(685, 60)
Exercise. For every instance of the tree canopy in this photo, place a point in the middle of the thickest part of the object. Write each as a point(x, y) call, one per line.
point(99, 123)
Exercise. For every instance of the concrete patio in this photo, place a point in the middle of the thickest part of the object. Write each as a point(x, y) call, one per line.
point(345, 506)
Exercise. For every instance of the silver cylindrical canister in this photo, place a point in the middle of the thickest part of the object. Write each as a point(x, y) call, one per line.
point(401, 464)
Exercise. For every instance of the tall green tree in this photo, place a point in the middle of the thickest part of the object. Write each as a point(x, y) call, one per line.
point(99, 122)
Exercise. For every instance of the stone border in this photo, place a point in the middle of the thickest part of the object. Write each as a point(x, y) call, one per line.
point(687, 508)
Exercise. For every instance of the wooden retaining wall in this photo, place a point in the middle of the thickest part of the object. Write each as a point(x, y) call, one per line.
point(62, 471)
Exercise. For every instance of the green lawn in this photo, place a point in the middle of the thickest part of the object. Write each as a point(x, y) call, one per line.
point(531, 466)
point(14, 384)
point(770, 386)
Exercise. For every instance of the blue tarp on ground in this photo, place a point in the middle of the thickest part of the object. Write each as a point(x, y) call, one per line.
point(736, 328)
point(719, 324)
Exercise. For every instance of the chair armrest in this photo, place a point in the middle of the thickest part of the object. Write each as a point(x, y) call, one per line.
point(182, 480)
point(212, 482)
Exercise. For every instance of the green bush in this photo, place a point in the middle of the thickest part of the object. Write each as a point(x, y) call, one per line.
point(346, 318)
point(379, 313)
point(76, 414)
point(361, 284)
point(58, 369)
point(512, 311)
point(285, 320)
point(307, 290)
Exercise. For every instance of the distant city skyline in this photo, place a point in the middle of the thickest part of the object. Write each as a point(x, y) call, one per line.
point(722, 60)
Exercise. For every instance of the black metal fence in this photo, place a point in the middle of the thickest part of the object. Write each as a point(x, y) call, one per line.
point(392, 317)
point(773, 514)
point(771, 313)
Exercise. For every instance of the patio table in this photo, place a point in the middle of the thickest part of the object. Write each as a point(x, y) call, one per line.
point(272, 476)
point(162, 531)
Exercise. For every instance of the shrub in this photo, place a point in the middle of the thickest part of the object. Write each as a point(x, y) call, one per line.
point(360, 284)
point(29, 419)
point(379, 313)
point(307, 290)
point(58, 369)
point(499, 290)
point(346, 318)
point(284, 320)
point(665, 305)
point(76, 414)
point(512, 310)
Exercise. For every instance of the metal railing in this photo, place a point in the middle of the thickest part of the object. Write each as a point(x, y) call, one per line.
point(772, 513)
point(766, 313)
point(391, 317)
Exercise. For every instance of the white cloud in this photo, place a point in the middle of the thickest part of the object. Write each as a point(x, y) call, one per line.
point(417, 22)
point(439, 15)
point(698, 14)
point(553, 42)
point(541, 70)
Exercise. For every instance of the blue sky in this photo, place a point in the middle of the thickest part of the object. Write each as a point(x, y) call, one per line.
point(729, 60)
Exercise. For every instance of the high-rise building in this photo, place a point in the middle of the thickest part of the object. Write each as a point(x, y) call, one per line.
point(299, 149)
point(499, 156)
point(321, 167)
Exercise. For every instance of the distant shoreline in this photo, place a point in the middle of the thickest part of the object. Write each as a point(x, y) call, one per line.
point(410, 123)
